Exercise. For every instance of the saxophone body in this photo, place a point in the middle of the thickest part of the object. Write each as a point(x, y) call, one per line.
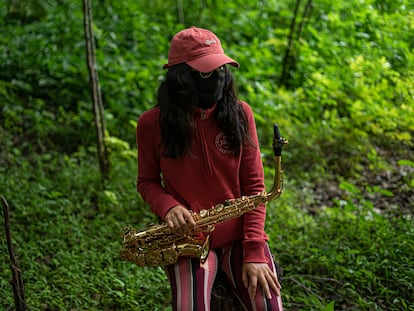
point(158, 246)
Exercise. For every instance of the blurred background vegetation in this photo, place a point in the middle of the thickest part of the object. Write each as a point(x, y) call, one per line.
point(339, 81)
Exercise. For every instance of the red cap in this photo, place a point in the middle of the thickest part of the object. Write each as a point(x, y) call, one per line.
point(199, 48)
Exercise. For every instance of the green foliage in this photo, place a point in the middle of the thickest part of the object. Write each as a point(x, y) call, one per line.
point(350, 256)
point(68, 236)
point(347, 111)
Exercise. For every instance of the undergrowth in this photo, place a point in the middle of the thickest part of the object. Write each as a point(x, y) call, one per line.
point(67, 233)
point(347, 99)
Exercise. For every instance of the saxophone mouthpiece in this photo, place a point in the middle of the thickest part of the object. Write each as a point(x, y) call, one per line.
point(276, 132)
point(278, 141)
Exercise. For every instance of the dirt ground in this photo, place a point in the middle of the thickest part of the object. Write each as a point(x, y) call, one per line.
point(391, 191)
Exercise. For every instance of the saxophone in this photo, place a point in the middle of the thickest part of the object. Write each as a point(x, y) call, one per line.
point(158, 246)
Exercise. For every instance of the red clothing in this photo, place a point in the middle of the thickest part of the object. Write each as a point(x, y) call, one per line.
point(210, 175)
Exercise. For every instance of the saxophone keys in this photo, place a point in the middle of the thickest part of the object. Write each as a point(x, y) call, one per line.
point(219, 207)
point(209, 228)
point(203, 213)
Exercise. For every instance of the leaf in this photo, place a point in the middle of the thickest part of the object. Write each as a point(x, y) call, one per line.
point(384, 192)
point(344, 185)
point(330, 306)
point(405, 163)
point(116, 144)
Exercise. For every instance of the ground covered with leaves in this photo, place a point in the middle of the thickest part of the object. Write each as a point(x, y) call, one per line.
point(389, 190)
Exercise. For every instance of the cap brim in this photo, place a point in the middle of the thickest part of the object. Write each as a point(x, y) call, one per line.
point(208, 63)
point(211, 62)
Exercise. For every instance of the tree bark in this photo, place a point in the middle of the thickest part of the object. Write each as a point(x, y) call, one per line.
point(305, 18)
point(287, 58)
point(98, 109)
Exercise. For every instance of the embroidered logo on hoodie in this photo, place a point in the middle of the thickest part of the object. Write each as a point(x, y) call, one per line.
point(222, 144)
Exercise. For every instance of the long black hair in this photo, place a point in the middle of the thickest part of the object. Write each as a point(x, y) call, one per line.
point(177, 101)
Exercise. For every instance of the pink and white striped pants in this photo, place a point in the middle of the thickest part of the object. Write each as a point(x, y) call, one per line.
point(192, 282)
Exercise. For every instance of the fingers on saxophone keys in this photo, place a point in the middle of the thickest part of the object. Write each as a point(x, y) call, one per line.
point(181, 227)
point(172, 226)
point(191, 230)
point(184, 230)
point(176, 228)
point(191, 222)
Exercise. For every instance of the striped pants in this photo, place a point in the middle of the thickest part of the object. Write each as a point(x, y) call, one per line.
point(192, 281)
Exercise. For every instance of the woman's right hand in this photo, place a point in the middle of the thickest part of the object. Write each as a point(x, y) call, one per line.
point(180, 221)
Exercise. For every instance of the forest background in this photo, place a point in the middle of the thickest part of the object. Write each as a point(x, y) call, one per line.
point(340, 84)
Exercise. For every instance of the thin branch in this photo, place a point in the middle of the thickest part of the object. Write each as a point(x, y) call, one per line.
point(17, 280)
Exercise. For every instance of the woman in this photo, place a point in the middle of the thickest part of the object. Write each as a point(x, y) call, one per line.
point(197, 148)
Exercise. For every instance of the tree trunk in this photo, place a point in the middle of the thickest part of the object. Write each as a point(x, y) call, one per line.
point(96, 95)
point(180, 12)
point(291, 52)
point(287, 58)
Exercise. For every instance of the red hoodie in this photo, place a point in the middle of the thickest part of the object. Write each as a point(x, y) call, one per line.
point(210, 175)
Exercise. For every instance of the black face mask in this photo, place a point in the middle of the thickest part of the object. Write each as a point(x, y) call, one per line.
point(209, 90)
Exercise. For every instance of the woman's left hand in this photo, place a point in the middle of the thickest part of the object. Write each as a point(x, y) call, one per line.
point(254, 274)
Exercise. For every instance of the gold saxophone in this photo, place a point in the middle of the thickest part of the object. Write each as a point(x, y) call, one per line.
point(158, 246)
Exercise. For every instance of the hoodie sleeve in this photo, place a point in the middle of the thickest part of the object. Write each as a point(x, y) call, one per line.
point(149, 182)
point(252, 182)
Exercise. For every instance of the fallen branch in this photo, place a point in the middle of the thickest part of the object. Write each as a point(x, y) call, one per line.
point(17, 281)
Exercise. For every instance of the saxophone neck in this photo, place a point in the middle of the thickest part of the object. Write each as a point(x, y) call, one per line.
point(277, 187)
point(278, 144)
